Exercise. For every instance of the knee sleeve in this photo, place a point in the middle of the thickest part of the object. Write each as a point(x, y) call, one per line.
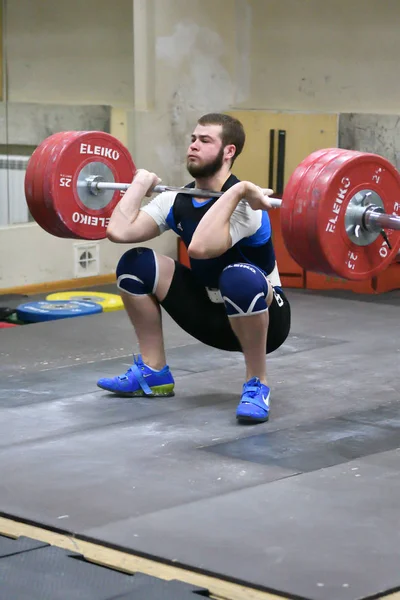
point(244, 290)
point(137, 272)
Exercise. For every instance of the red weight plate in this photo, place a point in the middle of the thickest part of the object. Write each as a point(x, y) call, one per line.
point(48, 219)
point(340, 180)
point(334, 161)
point(33, 185)
point(291, 188)
point(64, 170)
point(305, 204)
point(35, 210)
point(53, 219)
point(294, 229)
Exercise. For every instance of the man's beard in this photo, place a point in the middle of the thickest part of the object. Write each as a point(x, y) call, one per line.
point(208, 169)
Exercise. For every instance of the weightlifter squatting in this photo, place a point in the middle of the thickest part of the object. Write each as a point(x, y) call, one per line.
point(231, 298)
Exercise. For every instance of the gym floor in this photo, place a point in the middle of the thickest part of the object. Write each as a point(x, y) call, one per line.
point(304, 506)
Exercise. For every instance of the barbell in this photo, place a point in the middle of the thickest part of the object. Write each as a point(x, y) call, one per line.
point(339, 214)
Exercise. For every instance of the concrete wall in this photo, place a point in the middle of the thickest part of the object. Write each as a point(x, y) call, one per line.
point(159, 64)
point(191, 71)
point(379, 134)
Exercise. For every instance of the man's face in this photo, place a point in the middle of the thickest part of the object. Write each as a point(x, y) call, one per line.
point(205, 155)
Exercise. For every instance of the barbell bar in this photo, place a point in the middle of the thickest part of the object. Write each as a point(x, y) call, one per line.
point(94, 185)
point(368, 217)
point(338, 214)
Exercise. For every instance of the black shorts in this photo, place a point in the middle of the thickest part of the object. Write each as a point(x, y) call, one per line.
point(188, 304)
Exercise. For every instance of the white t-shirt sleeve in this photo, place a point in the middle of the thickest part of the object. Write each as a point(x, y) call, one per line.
point(159, 207)
point(244, 222)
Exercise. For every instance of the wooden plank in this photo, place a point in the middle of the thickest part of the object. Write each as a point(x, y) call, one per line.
point(130, 563)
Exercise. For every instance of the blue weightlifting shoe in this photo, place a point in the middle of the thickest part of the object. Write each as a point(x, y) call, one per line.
point(254, 404)
point(140, 380)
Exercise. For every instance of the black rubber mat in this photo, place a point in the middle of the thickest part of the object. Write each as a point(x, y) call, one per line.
point(332, 534)
point(390, 298)
point(9, 303)
point(321, 444)
point(9, 546)
point(6, 312)
point(12, 299)
point(133, 473)
point(32, 570)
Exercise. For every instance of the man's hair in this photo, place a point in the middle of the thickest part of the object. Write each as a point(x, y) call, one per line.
point(232, 130)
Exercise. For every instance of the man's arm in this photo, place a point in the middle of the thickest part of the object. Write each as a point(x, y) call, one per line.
point(128, 224)
point(217, 231)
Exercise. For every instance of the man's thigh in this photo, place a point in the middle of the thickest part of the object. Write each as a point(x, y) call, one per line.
point(189, 305)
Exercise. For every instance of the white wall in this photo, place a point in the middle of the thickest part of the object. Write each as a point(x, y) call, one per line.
point(339, 56)
point(30, 256)
point(336, 55)
point(65, 53)
point(80, 51)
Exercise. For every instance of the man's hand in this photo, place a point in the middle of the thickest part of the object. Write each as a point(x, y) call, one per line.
point(147, 180)
point(256, 197)
point(127, 223)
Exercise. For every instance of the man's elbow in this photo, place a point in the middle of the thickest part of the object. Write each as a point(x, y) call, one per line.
point(114, 235)
point(202, 252)
point(196, 251)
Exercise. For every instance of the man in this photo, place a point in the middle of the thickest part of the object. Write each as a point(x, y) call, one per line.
point(231, 297)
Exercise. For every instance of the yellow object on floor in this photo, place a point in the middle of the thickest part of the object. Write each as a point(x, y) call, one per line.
point(108, 302)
